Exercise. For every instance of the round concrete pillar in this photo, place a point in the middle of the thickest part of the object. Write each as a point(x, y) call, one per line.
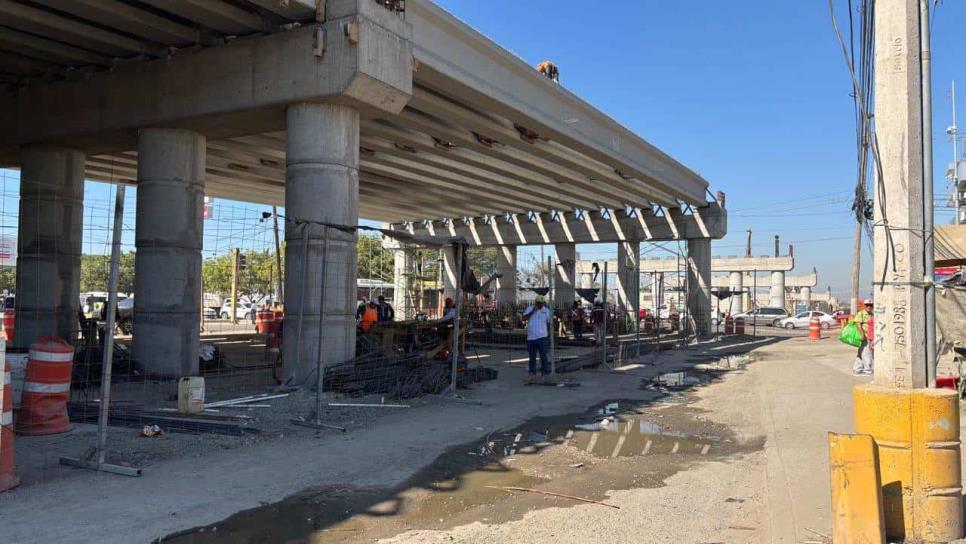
point(776, 296)
point(402, 273)
point(565, 276)
point(321, 185)
point(168, 238)
point(699, 284)
point(49, 238)
point(506, 265)
point(736, 282)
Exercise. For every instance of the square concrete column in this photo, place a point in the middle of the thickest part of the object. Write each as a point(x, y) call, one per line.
point(402, 275)
point(506, 264)
point(629, 278)
point(699, 285)
point(776, 296)
point(806, 296)
point(50, 232)
point(736, 285)
point(168, 238)
point(565, 276)
point(321, 185)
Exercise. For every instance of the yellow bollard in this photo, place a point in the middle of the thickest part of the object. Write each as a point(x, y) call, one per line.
point(917, 433)
point(856, 489)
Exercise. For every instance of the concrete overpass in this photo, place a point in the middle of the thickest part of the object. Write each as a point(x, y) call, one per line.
point(338, 110)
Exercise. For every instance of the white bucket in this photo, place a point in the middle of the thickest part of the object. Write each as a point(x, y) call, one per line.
point(191, 395)
point(18, 367)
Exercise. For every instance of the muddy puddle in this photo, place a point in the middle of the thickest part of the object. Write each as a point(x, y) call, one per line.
point(613, 446)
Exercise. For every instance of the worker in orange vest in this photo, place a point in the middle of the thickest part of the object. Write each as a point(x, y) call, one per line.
point(370, 315)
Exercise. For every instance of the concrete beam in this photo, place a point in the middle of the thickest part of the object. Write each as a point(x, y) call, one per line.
point(706, 222)
point(718, 264)
point(240, 88)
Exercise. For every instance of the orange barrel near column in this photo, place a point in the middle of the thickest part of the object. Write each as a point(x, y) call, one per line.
point(739, 325)
point(9, 317)
point(46, 388)
point(264, 321)
point(8, 474)
point(729, 325)
point(814, 329)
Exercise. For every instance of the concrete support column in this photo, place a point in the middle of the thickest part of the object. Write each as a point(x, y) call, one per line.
point(629, 278)
point(168, 238)
point(776, 296)
point(449, 272)
point(49, 243)
point(565, 278)
point(402, 280)
point(736, 283)
point(699, 285)
point(657, 290)
point(586, 281)
point(806, 296)
point(321, 184)
point(506, 264)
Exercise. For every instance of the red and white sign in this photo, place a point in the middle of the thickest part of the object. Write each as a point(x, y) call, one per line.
point(8, 251)
point(209, 210)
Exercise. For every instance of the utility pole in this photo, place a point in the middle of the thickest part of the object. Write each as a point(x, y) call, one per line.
point(778, 244)
point(278, 258)
point(748, 245)
point(928, 204)
point(234, 283)
point(900, 354)
point(953, 132)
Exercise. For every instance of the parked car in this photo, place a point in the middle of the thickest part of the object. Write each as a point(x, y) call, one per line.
point(763, 316)
point(802, 320)
point(211, 313)
point(243, 310)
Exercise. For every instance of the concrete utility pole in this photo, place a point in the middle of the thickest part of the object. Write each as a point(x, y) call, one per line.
point(234, 284)
point(900, 343)
point(748, 245)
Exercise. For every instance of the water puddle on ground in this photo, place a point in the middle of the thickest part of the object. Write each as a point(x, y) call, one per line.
point(613, 446)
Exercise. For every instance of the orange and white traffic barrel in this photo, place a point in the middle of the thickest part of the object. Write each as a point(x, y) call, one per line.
point(729, 325)
point(814, 329)
point(9, 318)
point(739, 325)
point(8, 473)
point(46, 388)
point(264, 321)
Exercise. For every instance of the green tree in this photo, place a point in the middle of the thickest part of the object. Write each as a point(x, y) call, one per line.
point(96, 270)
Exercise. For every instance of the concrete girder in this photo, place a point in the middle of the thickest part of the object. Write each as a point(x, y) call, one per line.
point(46, 50)
point(593, 228)
point(504, 132)
point(238, 89)
point(470, 67)
point(461, 153)
point(807, 280)
point(128, 19)
point(425, 165)
point(221, 16)
point(413, 119)
point(45, 23)
point(293, 10)
point(25, 66)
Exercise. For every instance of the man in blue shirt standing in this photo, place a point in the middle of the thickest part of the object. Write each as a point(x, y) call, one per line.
point(537, 318)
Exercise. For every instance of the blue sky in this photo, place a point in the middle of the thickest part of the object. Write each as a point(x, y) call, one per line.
point(752, 94)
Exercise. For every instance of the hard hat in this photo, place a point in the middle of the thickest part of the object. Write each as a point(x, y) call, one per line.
point(868, 302)
point(540, 298)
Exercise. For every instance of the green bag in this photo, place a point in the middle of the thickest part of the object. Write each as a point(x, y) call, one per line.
point(851, 335)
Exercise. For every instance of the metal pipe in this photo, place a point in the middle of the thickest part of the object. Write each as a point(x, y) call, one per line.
point(456, 320)
point(320, 367)
point(108, 356)
point(929, 259)
point(552, 295)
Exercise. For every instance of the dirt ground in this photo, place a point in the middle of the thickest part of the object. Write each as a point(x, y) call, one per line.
point(732, 451)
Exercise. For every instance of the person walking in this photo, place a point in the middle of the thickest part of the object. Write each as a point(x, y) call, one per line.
point(577, 320)
point(863, 320)
point(537, 319)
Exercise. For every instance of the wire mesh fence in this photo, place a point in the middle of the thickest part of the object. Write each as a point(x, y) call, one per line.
point(285, 308)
